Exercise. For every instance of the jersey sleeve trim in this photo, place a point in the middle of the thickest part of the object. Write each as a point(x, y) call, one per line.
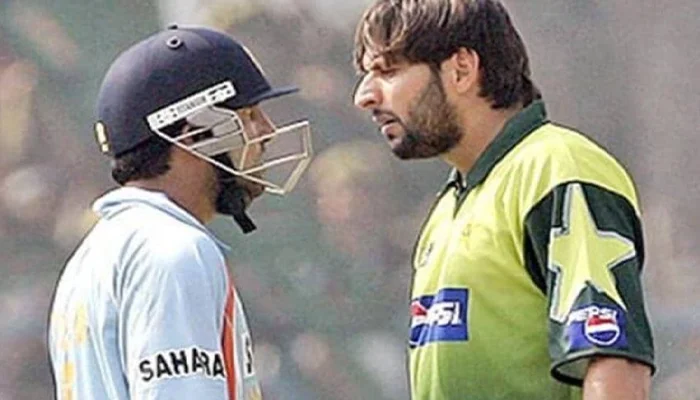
point(581, 362)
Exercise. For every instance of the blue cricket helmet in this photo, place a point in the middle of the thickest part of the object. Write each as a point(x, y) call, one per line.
point(166, 68)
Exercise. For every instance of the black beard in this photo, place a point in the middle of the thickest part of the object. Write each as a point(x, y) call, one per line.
point(230, 197)
point(433, 127)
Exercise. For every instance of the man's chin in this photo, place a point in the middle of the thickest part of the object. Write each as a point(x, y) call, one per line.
point(230, 196)
point(404, 153)
point(407, 147)
point(252, 193)
point(400, 150)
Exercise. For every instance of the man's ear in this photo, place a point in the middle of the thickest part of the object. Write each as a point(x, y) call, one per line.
point(462, 70)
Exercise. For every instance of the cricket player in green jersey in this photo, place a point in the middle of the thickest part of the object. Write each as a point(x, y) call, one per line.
point(526, 280)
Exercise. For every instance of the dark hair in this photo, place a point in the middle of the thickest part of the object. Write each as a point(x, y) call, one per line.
point(147, 160)
point(430, 31)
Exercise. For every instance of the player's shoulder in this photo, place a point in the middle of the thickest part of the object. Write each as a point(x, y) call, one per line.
point(559, 154)
point(554, 155)
point(565, 146)
point(158, 238)
point(163, 251)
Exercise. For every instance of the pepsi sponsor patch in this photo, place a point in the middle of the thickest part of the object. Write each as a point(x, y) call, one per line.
point(440, 318)
point(597, 326)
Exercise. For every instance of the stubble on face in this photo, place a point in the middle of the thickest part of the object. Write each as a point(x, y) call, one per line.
point(213, 186)
point(431, 127)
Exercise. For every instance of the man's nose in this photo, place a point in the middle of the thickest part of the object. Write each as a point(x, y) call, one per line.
point(264, 126)
point(367, 95)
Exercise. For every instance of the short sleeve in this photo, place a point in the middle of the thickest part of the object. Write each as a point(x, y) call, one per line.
point(584, 248)
point(172, 301)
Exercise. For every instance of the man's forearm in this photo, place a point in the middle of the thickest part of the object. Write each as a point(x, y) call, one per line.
point(613, 378)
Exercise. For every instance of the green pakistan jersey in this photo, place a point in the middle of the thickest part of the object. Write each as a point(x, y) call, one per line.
point(526, 268)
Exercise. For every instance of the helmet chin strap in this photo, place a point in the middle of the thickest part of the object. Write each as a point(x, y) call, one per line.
point(231, 198)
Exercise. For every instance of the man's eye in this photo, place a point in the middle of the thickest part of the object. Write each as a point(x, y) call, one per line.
point(244, 113)
point(389, 72)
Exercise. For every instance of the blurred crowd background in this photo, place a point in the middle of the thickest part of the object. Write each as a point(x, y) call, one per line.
point(325, 278)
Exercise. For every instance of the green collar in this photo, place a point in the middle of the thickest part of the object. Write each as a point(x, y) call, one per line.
point(516, 129)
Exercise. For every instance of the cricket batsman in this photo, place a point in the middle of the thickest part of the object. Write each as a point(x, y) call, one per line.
point(145, 307)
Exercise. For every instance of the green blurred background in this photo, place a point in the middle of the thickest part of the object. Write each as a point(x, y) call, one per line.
point(325, 277)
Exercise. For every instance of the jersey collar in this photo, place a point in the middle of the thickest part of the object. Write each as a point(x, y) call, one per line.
point(125, 197)
point(515, 130)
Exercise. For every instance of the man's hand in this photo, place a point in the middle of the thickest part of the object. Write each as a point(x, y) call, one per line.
point(614, 378)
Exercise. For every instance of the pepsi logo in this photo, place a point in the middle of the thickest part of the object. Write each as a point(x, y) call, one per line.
point(419, 313)
point(439, 318)
point(602, 329)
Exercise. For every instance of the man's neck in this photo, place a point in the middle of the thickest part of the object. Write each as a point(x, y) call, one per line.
point(480, 124)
